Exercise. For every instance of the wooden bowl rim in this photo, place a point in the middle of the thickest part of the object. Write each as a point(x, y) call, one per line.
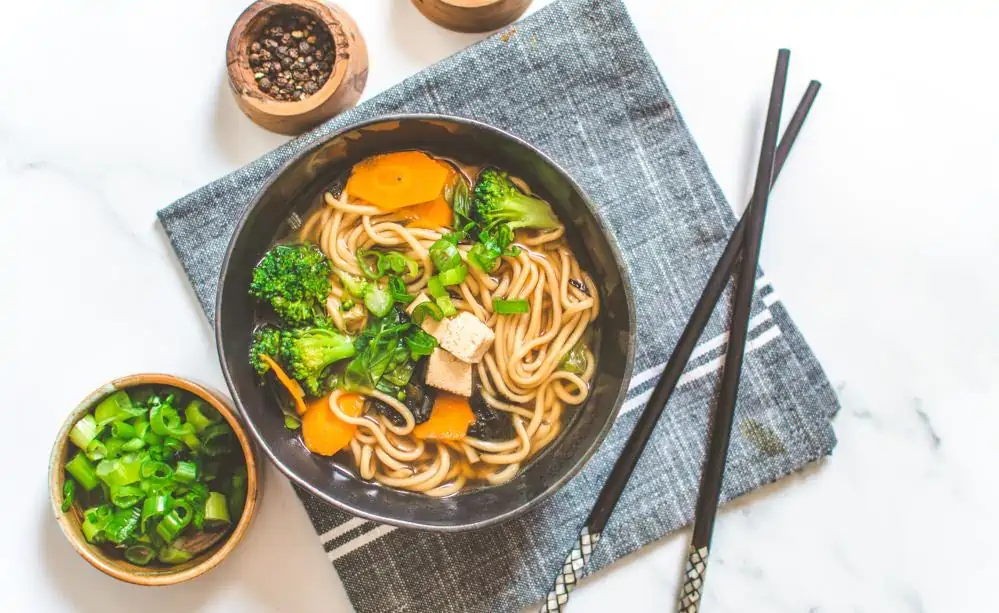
point(241, 75)
point(57, 477)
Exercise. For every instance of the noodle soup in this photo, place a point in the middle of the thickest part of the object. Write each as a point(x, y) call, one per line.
point(427, 326)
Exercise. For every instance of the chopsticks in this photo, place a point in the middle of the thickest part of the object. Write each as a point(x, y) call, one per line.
point(590, 533)
point(721, 430)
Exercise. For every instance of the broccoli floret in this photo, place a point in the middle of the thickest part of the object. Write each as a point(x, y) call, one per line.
point(498, 200)
point(295, 280)
point(266, 341)
point(308, 351)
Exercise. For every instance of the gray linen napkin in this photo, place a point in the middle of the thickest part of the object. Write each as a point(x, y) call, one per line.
point(576, 81)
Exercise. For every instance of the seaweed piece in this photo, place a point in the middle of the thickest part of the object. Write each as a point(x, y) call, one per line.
point(490, 424)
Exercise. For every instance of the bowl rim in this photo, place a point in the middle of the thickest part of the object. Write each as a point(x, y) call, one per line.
point(604, 229)
point(57, 478)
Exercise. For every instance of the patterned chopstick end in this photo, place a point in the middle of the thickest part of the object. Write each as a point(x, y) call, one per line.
point(571, 573)
point(693, 580)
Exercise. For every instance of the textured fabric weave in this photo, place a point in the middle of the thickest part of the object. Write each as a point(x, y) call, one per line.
point(576, 81)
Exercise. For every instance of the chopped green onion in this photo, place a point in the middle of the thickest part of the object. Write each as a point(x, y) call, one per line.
point(186, 472)
point(172, 556)
point(423, 309)
point(200, 415)
point(347, 305)
point(120, 471)
point(444, 254)
point(140, 554)
point(209, 471)
point(152, 438)
point(368, 261)
point(153, 509)
point(116, 406)
point(510, 307)
point(133, 445)
point(126, 496)
point(453, 276)
point(216, 511)
point(441, 297)
point(191, 440)
point(218, 439)
point(113, 447)
point(84, 431)
point(378, 300)
point(172, 446)
point(83, 471)
point(447, 307)
point(165, 421)
point(174, 521)
point(141, 425)
point(237, 492)
point(354, 286)
point(95, 519)
point(122, 430)
point(435, 287)
point(97, 450)
point(153, 470)
point(122, 525)
point(68, 494)
point(292, 423)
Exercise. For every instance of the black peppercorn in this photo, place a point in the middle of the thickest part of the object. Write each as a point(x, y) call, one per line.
point(292, 56)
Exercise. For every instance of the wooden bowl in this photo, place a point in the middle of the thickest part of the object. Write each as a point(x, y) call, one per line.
point(341, 91)
point(120, 568)
point(472, 15)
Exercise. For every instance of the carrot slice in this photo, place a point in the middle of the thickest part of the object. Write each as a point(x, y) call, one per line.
point(296, 391)
point(449, 419)
point(323, 432)
point(392, 181)
point(431, 215)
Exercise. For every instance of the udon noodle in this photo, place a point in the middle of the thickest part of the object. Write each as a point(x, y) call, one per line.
point(521, 374)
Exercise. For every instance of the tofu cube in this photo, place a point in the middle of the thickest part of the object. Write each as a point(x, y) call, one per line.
point(430, 325)
point(448, 373)
point(467, 338)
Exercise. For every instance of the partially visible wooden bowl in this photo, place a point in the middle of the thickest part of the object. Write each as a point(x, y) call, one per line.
point(472, 15)
point(119, 568)
point(340, 92)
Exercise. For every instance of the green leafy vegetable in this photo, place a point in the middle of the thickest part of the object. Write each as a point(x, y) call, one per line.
point(575, 359)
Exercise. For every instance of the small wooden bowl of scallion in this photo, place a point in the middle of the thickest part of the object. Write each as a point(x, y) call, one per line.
point(153, 479)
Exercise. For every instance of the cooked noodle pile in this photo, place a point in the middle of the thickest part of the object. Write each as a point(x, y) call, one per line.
point(520, 374)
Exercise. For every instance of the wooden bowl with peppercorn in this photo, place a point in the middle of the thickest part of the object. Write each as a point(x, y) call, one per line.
point(293, 64)
point(153, 479)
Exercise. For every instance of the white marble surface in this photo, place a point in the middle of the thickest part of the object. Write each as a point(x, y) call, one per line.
point(882, 241)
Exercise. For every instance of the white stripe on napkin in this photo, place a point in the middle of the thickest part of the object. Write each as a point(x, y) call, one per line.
point(702, 349)
point(343, 528)
point(703, 370)
point(378, 532)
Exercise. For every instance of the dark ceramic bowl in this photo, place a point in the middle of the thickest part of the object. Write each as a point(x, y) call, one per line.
point(299, 185)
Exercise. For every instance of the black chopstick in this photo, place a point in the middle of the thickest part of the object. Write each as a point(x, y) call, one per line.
point(721, 429)
point(575, 561)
